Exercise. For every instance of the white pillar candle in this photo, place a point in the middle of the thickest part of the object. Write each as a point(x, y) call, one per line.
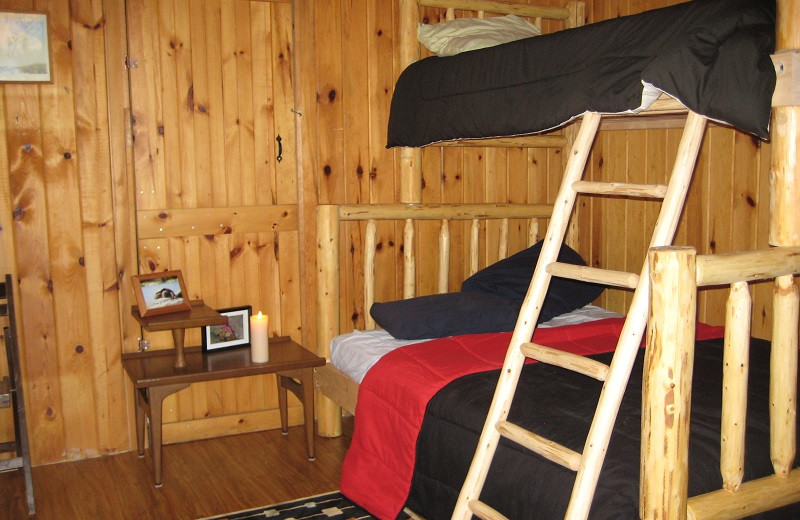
point(259, 338)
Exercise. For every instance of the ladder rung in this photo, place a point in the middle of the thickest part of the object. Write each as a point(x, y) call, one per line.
point(8, 464)
point(594, 275)
point(623, 189)
point(483, 511)
point(548, 449)
point(551, 356)
point(5, 392)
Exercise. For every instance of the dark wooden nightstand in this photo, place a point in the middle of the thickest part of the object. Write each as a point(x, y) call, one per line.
point(155, 376)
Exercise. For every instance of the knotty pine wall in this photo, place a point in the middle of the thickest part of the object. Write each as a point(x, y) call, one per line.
point(66, 237)
point(727, 207)
point(68, 210)
point(344, 161)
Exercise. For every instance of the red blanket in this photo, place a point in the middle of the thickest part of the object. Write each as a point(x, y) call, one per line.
point(393, 396)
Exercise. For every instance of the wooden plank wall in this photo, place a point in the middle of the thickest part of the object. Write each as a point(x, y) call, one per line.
point(350, 66)
point(349, 165)
point(727, 208)
point(58, 191)
point(67, 194)
point(210, 95)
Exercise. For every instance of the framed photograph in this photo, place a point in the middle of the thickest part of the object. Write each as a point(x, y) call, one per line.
point(160, 293)
point(235, 333)
point(24, 47)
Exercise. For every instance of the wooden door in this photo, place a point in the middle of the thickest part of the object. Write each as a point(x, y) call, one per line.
point(211, 91)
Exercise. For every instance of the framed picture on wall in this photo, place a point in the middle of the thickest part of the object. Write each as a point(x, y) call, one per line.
point(235, 333)
point(160, 293)
point(24, 47)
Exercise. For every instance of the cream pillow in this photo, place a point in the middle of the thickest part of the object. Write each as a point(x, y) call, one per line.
point(467, 34)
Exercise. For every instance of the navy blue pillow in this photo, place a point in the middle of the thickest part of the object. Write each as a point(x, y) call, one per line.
point(449, 314)
point(509, 278)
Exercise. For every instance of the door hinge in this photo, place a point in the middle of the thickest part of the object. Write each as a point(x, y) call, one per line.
point(131, 63)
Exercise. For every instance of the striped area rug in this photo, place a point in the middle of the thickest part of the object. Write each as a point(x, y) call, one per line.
point(329, 506)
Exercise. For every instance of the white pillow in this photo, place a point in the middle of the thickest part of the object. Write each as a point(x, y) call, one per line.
point(467, 34)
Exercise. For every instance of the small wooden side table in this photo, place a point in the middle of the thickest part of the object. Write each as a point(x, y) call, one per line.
point(155, 376)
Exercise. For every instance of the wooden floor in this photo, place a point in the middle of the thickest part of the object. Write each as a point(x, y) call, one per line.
point(200, 478)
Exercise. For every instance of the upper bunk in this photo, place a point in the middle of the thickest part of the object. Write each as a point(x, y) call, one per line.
point(710, 56)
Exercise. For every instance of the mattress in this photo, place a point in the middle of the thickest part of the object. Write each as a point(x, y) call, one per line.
point(712, 55)
point(356, 352)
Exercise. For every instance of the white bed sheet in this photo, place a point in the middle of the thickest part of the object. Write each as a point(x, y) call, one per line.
point(354, 353)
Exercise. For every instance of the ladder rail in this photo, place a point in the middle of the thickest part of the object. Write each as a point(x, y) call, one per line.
point(633, 329)
point(529, 313)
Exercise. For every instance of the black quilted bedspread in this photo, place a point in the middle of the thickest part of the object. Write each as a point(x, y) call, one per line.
point(559, 405)
point(712, 55)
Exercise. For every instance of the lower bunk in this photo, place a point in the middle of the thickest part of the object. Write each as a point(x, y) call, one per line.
point(739, 461)
point(558, 404)
point(399, 459)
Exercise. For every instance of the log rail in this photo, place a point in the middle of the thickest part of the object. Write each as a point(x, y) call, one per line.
point(675, 275)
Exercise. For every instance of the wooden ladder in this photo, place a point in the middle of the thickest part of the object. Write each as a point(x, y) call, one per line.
point(614, 376)
point(12, 387)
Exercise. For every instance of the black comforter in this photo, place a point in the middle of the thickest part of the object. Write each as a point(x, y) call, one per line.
point(713, 55)
point(559, 405)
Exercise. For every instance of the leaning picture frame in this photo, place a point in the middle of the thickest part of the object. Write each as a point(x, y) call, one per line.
point(25, 50)
point(160, 293)
point(235, 333)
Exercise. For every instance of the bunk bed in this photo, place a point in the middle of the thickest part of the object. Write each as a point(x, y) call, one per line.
point(665, 292)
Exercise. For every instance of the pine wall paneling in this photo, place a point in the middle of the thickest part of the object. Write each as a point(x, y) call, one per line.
point(485, 175)
point(215, 97)
point(210, 96)
point(59, 192)
point(727, 207)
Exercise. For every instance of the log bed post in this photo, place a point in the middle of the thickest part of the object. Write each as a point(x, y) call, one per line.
point(329, 415)
point(784, 231)
point(666, 384)
point(735, 374)
point(410, 158)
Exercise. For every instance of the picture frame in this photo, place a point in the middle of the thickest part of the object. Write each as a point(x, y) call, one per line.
point(160, 293)
point(26, 53)
point(236, 333)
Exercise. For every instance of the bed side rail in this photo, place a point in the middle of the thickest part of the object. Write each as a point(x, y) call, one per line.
point(675, 275)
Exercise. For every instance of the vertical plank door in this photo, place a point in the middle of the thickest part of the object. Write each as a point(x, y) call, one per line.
point(211, 92)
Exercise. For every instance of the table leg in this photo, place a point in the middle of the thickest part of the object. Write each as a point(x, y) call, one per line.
point(178, 336)
point(156, 395)
point(140, 407)
point(307, 384)
point(304, 390)
point(283, 404)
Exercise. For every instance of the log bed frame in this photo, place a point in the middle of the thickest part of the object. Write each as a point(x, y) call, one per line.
point(675, 274)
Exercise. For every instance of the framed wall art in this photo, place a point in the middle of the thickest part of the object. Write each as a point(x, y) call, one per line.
point(24, 47)
point(235, 333)
point(160, 293)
